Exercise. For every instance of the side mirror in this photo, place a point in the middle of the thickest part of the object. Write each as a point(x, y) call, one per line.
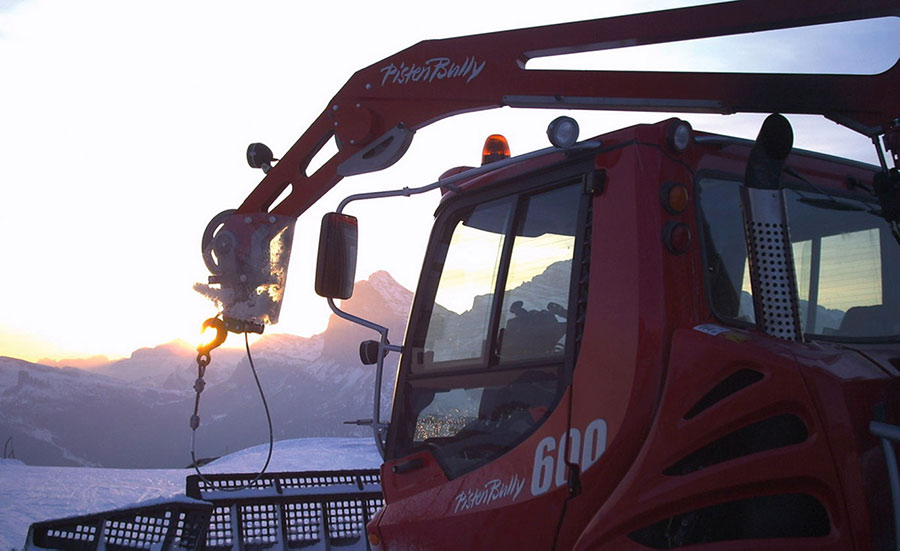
point(336, 264)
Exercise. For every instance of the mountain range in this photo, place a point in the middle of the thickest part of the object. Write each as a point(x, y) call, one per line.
point(134, 412)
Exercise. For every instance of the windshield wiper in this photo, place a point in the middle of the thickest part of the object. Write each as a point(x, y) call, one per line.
point(832, 202)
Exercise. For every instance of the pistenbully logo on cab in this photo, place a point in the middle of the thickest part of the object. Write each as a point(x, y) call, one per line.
point(436, 68)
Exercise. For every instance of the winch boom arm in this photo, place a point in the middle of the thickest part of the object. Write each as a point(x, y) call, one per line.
point(375, 114)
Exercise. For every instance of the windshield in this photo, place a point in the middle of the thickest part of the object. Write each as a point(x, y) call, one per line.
point(844, 258)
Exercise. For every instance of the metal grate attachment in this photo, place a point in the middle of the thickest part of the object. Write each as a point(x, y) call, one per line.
point(220, 531)
point(177, 525)
point(260, 524)
point(302, 521)
point(246, 485)
point(296, 510)
point(347, 519)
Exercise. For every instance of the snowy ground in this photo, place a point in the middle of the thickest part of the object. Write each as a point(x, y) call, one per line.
point(29, 494)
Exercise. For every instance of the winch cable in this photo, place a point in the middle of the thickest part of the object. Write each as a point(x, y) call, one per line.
point(203, 360)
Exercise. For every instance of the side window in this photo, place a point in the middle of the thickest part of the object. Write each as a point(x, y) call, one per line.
point(488, 369)
point(536, 294)
point(727, 273)
point(842, 249)
point(458, 328)
point(853, 280)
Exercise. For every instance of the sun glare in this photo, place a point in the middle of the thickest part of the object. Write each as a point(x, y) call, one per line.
point(204, 336)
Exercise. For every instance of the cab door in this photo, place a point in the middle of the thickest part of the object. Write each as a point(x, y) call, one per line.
point(484, 379)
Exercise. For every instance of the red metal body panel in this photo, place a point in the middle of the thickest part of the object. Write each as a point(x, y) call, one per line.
point(466, 512)
point(618, 394)
point(648, 358)
point(697, 362)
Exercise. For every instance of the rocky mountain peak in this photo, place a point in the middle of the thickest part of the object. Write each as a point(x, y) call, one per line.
point(379, 299)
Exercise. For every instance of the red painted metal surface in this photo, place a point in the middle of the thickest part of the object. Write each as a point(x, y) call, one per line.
point(374, 116)
point(440, 78)
point(652, 352)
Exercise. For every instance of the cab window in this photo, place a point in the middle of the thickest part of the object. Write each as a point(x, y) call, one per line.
point(488, 368)
point(843, 254)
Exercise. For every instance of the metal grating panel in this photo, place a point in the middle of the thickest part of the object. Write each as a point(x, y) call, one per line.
point(219, 533)
point(259, 524)
point(345, 519)
point(141, 532)
point(245, 485)
point(177, 526)
point(77, 536)
point(298, 510)
point(373, 505)
point(303, 522)
point(294, 510)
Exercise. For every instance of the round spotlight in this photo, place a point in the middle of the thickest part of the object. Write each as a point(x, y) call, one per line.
point(563, 132)
point(679, 135)
point(259, 156)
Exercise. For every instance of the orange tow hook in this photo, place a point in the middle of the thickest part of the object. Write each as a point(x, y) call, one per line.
point(221, 334)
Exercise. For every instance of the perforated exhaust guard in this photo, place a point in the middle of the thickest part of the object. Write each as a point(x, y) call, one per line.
point(771, 261)
point(769, 252)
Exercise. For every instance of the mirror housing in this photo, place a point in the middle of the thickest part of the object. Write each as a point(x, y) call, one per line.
point(336, 264)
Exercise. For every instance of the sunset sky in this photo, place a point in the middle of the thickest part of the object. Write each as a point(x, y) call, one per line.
point(123, 128)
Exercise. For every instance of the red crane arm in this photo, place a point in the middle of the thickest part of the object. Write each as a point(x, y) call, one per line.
point(375, 114)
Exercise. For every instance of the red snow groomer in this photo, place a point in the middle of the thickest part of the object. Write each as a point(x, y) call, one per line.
point(655, 338)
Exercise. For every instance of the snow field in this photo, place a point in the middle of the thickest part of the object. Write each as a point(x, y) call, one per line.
point(30, 494)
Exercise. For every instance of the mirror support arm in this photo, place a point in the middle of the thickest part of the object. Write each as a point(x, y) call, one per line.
point(379, 429)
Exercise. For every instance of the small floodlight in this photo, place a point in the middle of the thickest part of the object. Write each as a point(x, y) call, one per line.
point(563, 132)
point(679, 135)
point(260, 156)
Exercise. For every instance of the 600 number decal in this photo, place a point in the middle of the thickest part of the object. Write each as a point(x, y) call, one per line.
point(549, 457)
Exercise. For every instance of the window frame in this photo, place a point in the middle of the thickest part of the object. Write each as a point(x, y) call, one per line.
point(490, 367)
point(797, 186)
